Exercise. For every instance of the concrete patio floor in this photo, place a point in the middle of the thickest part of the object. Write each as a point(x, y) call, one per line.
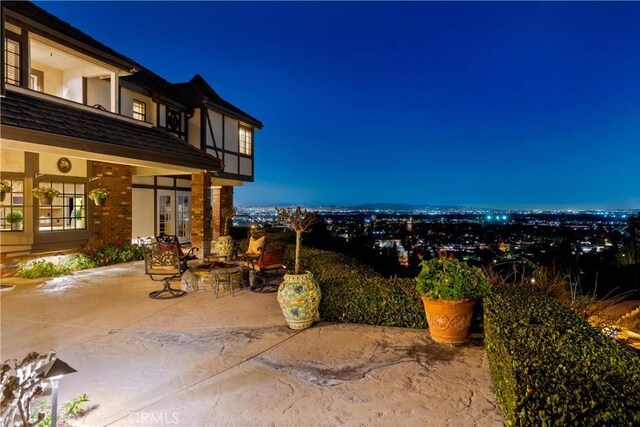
point(202, 361)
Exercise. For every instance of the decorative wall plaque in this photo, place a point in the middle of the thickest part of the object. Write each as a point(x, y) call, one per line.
point(64, 165)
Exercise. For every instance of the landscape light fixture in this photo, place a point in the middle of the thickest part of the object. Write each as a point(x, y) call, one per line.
point(54, 371)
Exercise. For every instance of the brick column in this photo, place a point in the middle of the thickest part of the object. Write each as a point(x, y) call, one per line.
point(201, 213)
point(112, 221)
point(222, 198)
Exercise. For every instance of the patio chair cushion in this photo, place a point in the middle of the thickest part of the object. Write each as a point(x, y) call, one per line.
point(162, 270)
point(255, 245)
point(271, 258)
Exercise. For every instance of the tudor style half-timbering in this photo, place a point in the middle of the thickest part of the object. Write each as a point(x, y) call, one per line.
point(77, 115)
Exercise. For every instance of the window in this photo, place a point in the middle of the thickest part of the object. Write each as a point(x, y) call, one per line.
point(12, 61)
point(37, 80)
point(12, 207)
point(139, 110)
point(68, 211)
point(245, 138)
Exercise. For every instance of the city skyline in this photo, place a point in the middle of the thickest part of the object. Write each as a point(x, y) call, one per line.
point(509, 105)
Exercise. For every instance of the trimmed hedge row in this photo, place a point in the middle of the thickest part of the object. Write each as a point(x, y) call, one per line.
point(354, 293)
point(549, 367)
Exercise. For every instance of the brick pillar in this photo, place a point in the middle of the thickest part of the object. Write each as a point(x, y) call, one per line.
point(201, 213)
point(222, 198)
point(112, 221)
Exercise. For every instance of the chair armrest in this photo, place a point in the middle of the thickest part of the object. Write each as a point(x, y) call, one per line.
point(192, 252)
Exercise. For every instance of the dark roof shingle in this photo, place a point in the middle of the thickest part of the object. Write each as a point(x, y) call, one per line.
point(112, 135)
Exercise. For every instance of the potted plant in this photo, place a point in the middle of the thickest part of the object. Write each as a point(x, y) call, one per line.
point(223, 245)
point(449, 289)
point(99, 195)
point(15, 219)
point(5, 188)
point(45, 194)
point(299, 293)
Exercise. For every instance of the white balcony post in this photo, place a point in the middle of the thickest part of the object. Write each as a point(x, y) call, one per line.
point(115, 93)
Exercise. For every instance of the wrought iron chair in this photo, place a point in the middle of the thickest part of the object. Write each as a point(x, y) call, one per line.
point(171, 239)
point(268, 268)
point(254, 250)
point(162, 263)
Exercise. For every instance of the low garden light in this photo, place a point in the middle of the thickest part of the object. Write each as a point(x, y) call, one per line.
point(54, 371)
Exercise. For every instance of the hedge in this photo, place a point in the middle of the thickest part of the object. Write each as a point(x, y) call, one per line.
point(550, 367)
point(354, 293)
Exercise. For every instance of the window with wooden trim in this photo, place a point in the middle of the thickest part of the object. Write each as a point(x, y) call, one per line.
point(68, 211)
point(12, 52)
point(139, 110)
point(245, 140)
point(12, 206)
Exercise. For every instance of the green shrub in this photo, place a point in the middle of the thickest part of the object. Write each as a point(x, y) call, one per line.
point(38, 269)
point(354, 293)
point(449, 279)
point(550, 367)
point(113, 253)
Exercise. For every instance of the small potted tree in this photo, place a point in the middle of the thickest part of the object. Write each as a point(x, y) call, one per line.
point(5, 188)
point(99, 195)
point(223, 245)
point(45, 194)
point(299, 293)
point(15, 219)
point(449, 289)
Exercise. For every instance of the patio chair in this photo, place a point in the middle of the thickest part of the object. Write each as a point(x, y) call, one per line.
point(255, 250)
point(171, 239)
point(162, 263)
point(267, 268)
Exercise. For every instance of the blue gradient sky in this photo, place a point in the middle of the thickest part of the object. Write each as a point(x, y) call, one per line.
point(481, 104)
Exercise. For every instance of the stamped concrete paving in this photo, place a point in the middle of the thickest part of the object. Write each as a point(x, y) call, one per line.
point(203, 361)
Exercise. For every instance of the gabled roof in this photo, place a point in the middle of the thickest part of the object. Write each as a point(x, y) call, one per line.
point(102, 134)
point(52, 22)
point(197, 91)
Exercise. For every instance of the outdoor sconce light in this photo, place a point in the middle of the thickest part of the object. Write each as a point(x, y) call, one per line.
point(54, 371)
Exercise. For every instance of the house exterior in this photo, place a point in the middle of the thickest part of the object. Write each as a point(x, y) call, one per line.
point(76, 115)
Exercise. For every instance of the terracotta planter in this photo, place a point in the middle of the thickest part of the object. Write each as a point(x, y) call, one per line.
point(223, 245)
point(99, 202)
point(299, 298)
point(449, 321)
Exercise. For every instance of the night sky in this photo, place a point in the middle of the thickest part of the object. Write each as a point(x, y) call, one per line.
point(477, 104)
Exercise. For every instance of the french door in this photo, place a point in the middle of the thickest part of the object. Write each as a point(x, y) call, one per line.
point(183, 216)
point(166, 209)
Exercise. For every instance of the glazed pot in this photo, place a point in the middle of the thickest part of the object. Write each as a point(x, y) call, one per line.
point(99, 202)
point(299, 298)
point(46, 201)
point(2, 195)
point(449, 321)
point(16, 226)
point(223, 245)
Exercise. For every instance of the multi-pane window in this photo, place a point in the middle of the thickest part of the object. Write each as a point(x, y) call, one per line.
point(12, 61)
point(139, 110)
point(245, 140)
point(12, 206)
point(68, 211)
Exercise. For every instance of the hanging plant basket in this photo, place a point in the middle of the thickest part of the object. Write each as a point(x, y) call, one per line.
point(2, 195)
point(99, 202)
point(46, 201)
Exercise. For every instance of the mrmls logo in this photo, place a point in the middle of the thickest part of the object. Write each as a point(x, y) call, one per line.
point(154, 418)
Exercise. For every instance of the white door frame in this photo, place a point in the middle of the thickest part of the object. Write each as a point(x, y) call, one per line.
point(166, 213)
